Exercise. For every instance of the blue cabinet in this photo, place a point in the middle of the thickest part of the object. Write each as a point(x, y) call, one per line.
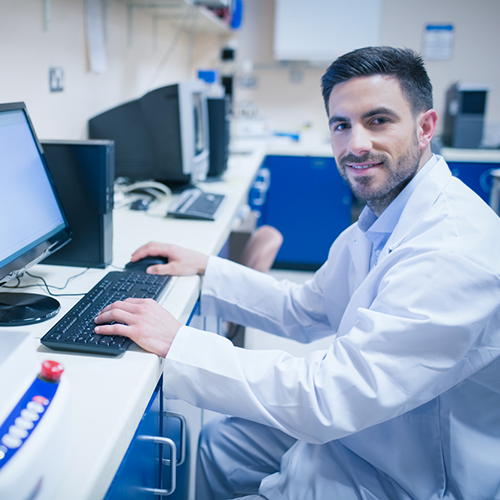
point(475, 175)
point(146, 471)
point(141, 468)
point(310, 204)
point(174, 426)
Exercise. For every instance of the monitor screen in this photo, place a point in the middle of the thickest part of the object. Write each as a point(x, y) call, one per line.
point(199, 130)
point(473, 102)
point(32, 225)
point(193, 111)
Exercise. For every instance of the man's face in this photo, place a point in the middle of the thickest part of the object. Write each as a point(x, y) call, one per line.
point(374, 138)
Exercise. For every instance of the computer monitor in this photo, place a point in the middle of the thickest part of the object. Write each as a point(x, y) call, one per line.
point(32, 225)
point(163, 136)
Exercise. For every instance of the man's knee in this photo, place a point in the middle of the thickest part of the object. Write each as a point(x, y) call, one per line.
point(238, 441)
point(212, 435)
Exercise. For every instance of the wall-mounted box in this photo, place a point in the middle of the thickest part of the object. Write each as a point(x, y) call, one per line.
point(321, 30)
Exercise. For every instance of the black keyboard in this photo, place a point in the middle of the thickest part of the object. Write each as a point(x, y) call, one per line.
point(196, 204)
point(75, 330)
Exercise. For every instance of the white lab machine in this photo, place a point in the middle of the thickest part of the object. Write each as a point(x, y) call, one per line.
point(34, 421)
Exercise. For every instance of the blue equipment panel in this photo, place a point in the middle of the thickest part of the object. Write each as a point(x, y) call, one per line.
point(25, 417)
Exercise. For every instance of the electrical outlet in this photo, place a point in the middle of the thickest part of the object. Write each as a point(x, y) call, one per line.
point(56, 79)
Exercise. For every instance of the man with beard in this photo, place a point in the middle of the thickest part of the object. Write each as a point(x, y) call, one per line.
point(405, 404)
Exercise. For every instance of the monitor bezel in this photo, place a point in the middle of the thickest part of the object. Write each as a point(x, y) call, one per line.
point(36, 254)
point(194, 164)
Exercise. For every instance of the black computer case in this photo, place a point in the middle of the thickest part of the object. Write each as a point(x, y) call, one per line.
point(83, 173)
point(218, 125)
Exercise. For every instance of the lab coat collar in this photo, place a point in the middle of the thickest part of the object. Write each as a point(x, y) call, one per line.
point(421, 199)
point(419, 203)
point(386, 223)
point(360, 248)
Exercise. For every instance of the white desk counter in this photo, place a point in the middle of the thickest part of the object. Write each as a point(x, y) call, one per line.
point(308, 145)
point(312, 143)
point(471, 155)
point(109, 395)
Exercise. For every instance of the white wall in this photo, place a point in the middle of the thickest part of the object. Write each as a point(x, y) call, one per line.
point(27, 51)
point(477, 41)
point(288, 106)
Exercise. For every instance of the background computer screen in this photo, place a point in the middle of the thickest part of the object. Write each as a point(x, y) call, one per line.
point(199, 129)
point(32, 224)
point(163, 135)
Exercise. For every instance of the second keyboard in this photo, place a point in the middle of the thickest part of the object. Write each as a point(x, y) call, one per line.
point(196, 204)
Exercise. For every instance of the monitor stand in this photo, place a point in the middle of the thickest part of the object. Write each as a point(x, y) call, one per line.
point(19, 309)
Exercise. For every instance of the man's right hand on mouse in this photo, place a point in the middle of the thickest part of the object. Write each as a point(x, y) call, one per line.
point(181, 261)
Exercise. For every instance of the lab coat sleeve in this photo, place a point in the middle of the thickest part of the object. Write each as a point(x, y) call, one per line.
point(251, 298)
point(412, 344)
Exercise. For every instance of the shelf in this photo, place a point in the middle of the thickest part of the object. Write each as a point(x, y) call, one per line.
point(197, 19)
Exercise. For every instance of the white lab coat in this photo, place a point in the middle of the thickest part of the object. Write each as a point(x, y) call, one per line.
point(411, 381)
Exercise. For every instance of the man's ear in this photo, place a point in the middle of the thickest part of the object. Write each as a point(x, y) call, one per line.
point(426, 127)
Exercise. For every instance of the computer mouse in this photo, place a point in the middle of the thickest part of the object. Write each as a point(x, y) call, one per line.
point(141, 204)
point(142, 264)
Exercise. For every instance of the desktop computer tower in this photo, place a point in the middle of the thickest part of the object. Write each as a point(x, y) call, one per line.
point(464, 116)
point(84, 173)
point(218, 126)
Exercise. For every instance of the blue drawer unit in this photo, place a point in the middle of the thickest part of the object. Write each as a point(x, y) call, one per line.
point(146, 471)
point(310, 204)
point(475, 175)
point(140, 470)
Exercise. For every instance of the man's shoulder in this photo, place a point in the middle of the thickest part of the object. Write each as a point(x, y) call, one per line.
point(441, 197)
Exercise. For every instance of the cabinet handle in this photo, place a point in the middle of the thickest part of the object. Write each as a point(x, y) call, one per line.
point(173, 469)
point(495, 193)
point(261, 185)
point(264, 176)
point(261, 190)
point(182, 444)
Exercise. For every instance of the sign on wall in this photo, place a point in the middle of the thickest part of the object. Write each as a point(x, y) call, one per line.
point(438, 42)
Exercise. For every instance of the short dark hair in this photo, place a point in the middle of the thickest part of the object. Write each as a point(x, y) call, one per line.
point(404, 65)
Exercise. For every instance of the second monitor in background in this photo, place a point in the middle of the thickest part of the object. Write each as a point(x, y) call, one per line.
point(164, 135)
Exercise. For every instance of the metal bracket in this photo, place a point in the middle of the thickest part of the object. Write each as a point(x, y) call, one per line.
point(173, 469)
point(182, 444)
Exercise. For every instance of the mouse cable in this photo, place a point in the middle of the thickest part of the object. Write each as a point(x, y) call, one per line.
point(47, 286)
